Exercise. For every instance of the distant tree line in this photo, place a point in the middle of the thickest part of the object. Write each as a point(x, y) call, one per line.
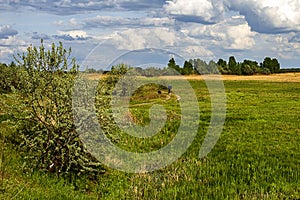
point(198, 66)
point(9, 73)
point(247, 67)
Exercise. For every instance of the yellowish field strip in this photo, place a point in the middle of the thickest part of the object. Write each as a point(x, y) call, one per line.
point(285, 77)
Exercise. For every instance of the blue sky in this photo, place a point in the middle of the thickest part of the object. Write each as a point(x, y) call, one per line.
point(101, 31)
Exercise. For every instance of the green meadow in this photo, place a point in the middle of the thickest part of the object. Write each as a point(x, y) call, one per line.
point(256, 157)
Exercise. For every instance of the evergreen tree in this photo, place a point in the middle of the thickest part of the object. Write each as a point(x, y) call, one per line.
point(233, 66)
point(172, 64)
point(187, 68)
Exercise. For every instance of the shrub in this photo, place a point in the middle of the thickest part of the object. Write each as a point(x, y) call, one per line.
point(49, 139)
point(9, 77)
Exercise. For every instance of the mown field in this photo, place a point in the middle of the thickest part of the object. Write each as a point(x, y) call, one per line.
point(256, 157)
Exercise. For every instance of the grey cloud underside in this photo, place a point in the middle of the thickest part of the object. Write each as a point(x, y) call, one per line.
point(12, 45)
point(66, 37)
point(258, 17)
point(194, 19)
point(61, 7)
point(112, 22)
point(6, 32)
point(37, 36)
point(70, 38)
point(263, 23)
point(262, 18)
point(143, 4)
point(295, 39)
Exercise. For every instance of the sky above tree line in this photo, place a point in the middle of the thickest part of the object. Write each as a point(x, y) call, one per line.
point(106, 29)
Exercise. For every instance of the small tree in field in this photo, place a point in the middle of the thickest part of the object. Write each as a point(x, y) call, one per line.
point(47, 131)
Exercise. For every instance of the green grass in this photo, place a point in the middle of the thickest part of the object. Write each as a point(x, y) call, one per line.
point(256, 157)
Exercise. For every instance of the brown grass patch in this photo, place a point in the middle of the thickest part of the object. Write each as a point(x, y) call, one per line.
point(285, 77)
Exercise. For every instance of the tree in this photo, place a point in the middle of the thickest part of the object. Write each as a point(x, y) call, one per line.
point(172, 64)
point(233, 66)
point(47, 129)
point(249, 67)
point(200, 66)
point(271, 64)
point(212, 67)
point(187, 68)
point(223, 67)
point(222, 63)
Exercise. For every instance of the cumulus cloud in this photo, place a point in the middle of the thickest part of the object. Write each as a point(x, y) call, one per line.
point(267, 16)
point(133, 39)
point(230, 34)
point(9, 46)
point(6, 31)
point(239, 37)
point(198, 51)
point(159, 38)
point(72, 35)
point(202, 11)
point(263, 16)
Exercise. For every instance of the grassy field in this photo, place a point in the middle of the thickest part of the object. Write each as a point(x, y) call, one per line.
point(256, 157)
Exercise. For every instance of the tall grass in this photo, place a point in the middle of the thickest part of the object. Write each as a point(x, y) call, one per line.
point(256, 157)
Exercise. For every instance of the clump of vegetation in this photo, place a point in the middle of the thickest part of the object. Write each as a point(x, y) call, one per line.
point(48, 139)
point(248, 67)
point(9, 77)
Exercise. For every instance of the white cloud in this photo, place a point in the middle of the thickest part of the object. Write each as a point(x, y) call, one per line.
point(6, 31)
point(203, 11)
point(12, 41)
point(74, 22)
point(263, 16)
point(240, 37)
point(10, 46)
point(133, 39)
point(164, 21)
point(192, 7)
point(197, 51)
point(228, 34)
point(269, 16)
point(5, 52)
point(74, 33)
point(59, 23)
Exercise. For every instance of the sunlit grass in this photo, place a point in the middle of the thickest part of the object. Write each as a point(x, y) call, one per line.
point(256, 157)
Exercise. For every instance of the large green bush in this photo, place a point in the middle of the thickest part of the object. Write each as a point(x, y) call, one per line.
point(49, 140)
